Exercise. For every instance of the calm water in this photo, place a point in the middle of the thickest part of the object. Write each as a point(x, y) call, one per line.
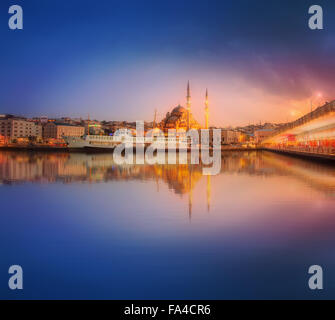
point(83, 227)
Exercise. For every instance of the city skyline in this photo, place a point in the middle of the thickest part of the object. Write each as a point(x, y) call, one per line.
point(188, 103)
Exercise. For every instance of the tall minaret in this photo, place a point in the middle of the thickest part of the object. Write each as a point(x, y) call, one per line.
point(206, 109)
point(154, 123)
point(188, 104)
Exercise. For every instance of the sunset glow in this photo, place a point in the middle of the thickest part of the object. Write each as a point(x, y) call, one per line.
point(135, 67)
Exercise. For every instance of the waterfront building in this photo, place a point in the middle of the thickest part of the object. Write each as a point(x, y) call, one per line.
point(14, 127)
point(230, 137)
point(57, 130)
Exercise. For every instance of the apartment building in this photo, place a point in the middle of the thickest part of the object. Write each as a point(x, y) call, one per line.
point(57, 130)
point(13, 128)
point(230, 136)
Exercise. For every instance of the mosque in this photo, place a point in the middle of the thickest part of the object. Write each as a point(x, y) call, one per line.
point(181, 118)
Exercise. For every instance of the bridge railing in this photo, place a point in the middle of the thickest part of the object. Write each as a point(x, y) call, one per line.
point(322, 150)
point(317, 113)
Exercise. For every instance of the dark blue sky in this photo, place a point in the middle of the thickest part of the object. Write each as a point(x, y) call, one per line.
point(123, 59)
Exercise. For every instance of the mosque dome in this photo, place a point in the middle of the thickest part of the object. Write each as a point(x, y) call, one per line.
point(180, 117)
point(178, 110)
point(177, 118)
point(176, 114)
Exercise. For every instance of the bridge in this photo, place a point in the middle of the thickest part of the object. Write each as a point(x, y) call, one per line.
point(312, 135)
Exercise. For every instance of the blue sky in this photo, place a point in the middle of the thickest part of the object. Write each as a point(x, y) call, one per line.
point(122, 59)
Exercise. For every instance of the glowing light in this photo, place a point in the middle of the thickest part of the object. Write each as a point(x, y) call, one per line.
point(295, 113)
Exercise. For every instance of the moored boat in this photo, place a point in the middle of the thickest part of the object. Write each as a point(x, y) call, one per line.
point(101, 142)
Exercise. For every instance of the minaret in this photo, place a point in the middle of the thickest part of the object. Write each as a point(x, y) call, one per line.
point(154, 123)
point(206, 109)
point(188, 104)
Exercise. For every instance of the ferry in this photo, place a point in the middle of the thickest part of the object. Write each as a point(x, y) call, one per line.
point(91, 142)
point(101, 142)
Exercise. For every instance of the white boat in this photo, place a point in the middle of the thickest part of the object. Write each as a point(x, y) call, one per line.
point(110, 142)
point(91, 141)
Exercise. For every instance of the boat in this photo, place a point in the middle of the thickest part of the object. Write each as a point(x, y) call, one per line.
point(103, 142)
point(91, 142)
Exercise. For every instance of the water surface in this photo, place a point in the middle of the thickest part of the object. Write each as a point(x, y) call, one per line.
point(83, 227)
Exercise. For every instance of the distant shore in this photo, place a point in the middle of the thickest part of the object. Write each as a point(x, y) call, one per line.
point(33, 148)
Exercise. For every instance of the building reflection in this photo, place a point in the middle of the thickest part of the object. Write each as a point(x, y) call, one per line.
point(18, 167)
point(208, 189)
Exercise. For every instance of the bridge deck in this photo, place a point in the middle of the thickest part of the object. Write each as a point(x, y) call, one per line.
point(303, 153)
point(312, 135)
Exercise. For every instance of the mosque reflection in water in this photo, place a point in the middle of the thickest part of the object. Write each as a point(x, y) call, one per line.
point(19, 167)
point(166, 231)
